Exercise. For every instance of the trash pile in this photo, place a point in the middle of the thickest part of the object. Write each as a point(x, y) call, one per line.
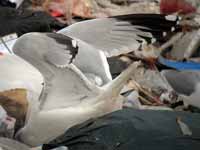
point(99, 74)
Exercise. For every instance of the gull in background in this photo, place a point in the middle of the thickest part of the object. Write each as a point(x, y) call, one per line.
point(186, 83)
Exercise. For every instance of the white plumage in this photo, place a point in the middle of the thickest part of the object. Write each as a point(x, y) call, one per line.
point(73, 66)
point(68, 97)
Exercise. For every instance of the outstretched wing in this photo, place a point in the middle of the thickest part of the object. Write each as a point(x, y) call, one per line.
point(62, 50)
point(65, 85)
point(121, 34)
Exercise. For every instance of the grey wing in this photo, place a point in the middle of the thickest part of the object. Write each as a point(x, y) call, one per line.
point(91, 61)
point(60, 50)
point(122, 34)
point(79, 53)
point(68, 88)
point(59, 47)
point(184, 82)
point(65, 85)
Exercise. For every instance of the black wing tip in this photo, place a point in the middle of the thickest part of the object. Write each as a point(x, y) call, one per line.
point(149, 19)
point(159, 25)
point(71, 44)
point(147, 16)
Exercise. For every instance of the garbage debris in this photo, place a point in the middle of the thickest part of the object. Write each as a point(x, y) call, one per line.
point(186, 47)
point(11, 3)
point(151, 79)
point(65, 10)
point(132, 100)
point(185, 83)
point(180, 6)
point(8, 3)
point(181, 53)
point(7, 124)
point(102, 8)
point(98, 67)
point(184, 128)
point(17, 2)
point(7, 42)
point(20, 22)
point(16, 105)
point(130, 128)
point(179, 47)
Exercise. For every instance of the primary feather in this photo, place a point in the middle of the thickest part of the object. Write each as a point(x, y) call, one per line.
point(123, 34)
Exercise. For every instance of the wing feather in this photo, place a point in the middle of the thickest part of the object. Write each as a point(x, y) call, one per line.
point(134, 29)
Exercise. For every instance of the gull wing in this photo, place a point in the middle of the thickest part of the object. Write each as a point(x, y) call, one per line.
point(64, 84)
point(123, 34)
